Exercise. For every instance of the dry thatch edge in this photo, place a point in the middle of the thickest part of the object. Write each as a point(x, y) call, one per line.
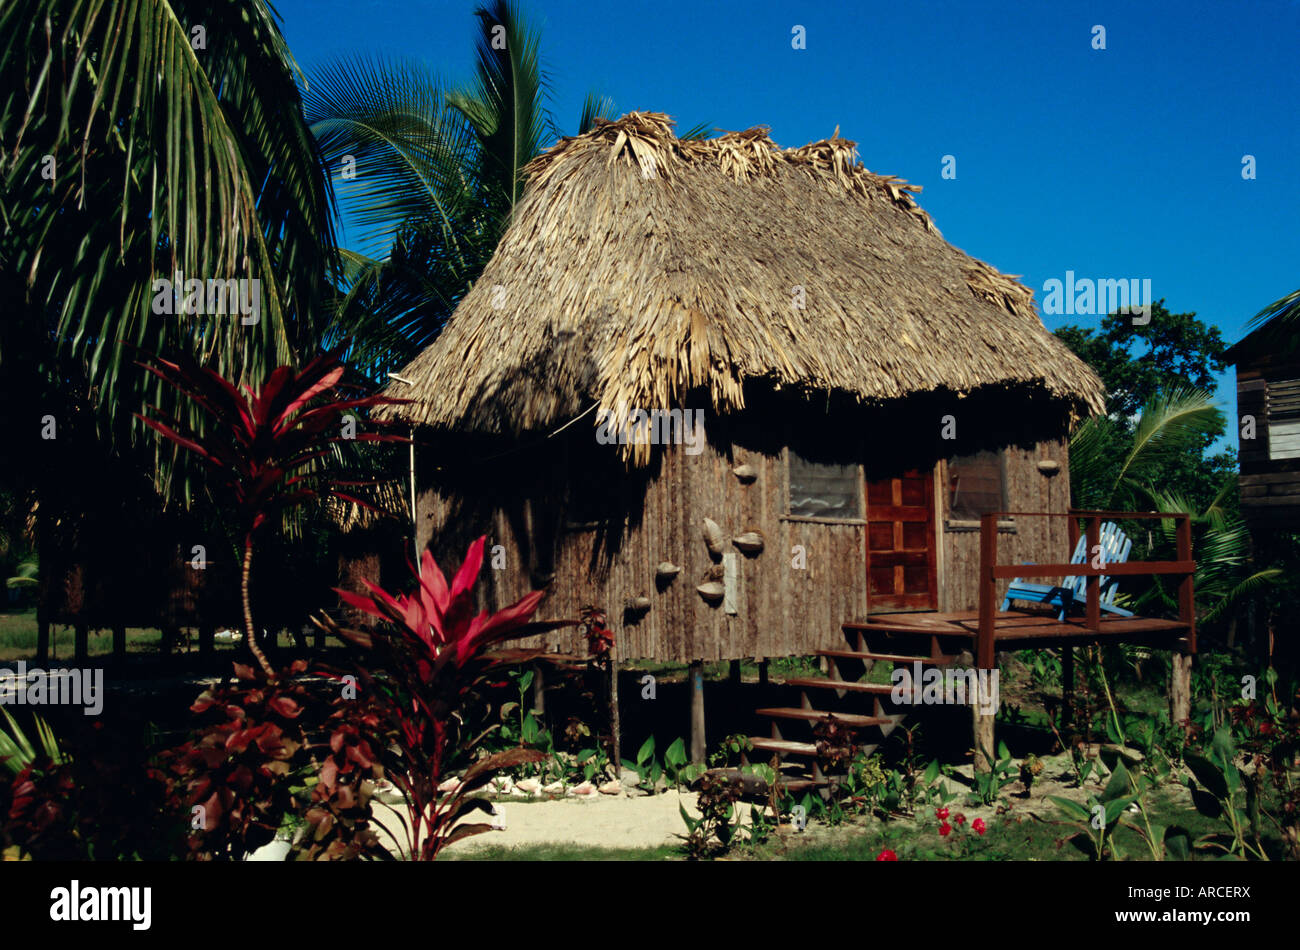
point(673, 340)
point(646, 140)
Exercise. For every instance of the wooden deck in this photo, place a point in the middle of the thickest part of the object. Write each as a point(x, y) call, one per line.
point(1019, 625)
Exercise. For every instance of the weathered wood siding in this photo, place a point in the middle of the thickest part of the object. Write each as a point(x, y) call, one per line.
point(1270, 487)
point(782, 609)
point(1035, 540)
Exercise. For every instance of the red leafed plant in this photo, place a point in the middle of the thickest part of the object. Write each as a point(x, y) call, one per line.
point(406, 718)
point(267, 448)
point(231, 779)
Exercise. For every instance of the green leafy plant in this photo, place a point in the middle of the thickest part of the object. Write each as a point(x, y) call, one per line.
point(714, 831)
point(987, 786)
point(1098, 819)
point(680, 771)
point(1221, 789)
point(648, 770)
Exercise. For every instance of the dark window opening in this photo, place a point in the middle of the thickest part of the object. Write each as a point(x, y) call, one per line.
point(819, 490)
point(977, 485)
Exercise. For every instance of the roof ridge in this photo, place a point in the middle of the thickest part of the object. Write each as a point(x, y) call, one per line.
point(646, 140)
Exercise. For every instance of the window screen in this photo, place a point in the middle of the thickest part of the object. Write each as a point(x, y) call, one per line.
point(823, 491)
point(976, 485)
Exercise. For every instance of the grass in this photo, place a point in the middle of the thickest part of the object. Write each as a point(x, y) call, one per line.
point(18, 639)
point(565, 852)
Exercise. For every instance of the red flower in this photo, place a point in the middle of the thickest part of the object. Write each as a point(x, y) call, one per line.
point(941, 813)
point(978, 826)
point(886, 855)
point(945, 829)
point(960, 818)
point(1265, 728)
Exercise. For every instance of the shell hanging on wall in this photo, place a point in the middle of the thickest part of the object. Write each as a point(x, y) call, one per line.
point(712, 591)
point(666, 571)
point(638, 603)
point(751, 542)
point(746, 473)
point(712, 536)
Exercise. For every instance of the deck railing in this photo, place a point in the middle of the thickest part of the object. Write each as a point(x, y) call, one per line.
point(991, 571)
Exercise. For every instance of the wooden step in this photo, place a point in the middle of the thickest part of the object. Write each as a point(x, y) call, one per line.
point(882, 657)
point(796, 785)
point(782, 746)
point(879, 689)
point(817, 715)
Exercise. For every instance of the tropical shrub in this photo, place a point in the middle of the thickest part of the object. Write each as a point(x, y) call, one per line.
point(405, 721)
point(267, 450)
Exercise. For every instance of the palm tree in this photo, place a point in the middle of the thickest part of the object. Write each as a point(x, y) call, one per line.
point(1111, 468)
point(1111, 464)
point(432, 171)
point(1225, 577)
point(143, 138)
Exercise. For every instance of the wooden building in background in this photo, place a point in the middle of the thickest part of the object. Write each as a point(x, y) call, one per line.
point(1268, 421)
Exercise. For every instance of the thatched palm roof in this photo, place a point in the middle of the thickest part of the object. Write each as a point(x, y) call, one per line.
point(639, 267)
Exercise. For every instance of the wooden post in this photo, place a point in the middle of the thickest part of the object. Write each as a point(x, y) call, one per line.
point(81, 651)
point(733, 672)
point(1067, 687)
point(539, 690)
point(985, 652)
point(1092, 581)
point(119, 642)
point(1186, 589)
point(695, 683)
point(983, 738)
point(208, 641)
point(1180, 688)
point(762, 672)
point(1180, 677)
point(615, 724)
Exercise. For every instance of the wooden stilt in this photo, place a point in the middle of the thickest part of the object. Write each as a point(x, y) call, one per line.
point(695, 681)
point(1067, 687)
point(119, 643)
point(762, 672)
point(615, 723)
point(1180, 688)
point(539, 690)
point(733, 672)
point(42, 634)
point(983, 732)
point(208, 641)
point(82, 647)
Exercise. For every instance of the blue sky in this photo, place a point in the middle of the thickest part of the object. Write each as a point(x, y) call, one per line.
point(1123, 162)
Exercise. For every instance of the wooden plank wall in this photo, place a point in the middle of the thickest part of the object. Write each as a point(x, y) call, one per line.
point(1035, 540)
point(782, 609)
point(1270, 489)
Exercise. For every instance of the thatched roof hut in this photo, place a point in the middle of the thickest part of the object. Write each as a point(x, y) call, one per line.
point(640, 267)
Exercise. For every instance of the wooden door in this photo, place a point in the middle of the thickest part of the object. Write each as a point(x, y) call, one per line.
point(901, 556)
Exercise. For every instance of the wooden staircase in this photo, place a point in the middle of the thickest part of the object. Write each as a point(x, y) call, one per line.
point(867, 709)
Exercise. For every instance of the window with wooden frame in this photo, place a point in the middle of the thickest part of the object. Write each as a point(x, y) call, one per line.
point(823, 491)
point(977, 485)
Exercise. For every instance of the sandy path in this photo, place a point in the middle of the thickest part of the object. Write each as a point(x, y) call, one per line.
point(605, 821)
